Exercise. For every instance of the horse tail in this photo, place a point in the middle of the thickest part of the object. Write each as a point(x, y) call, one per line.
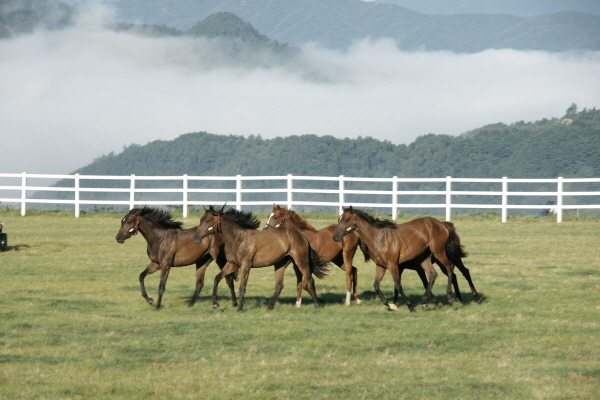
point(318, 267)
point(454, 250)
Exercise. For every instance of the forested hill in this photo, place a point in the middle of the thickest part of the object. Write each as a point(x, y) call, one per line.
point(567, 147)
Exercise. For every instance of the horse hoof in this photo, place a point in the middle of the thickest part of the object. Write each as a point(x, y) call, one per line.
point(358, 301)
point(215, 306)
point(150, 301)
point(392, 307)
point(424, 306)
point(298, 304)
point(412, 310)
point(480, 300)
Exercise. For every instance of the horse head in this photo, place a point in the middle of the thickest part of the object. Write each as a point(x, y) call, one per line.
point(209, 224)
point(276, 219)
point(130, 225)
point(346, 223)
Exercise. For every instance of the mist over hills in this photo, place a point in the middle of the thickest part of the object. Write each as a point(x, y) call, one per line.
point(340, 23)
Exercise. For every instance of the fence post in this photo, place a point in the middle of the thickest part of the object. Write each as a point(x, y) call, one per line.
point(76, 195)
point(23, 194)
point(132, 192)
point(289, 192)
point(341, 195)
point(238, 192)
point(394, 198)
point(185, 196)
point(448, 198)
point(559, 199)
point(504, 198)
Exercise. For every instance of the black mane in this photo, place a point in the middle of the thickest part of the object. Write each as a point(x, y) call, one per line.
point(245, 219)
point(386, 223)
point(160, 217)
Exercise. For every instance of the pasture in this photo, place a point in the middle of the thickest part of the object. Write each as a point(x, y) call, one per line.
point(74, 326)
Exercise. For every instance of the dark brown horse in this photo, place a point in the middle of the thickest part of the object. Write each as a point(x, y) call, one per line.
point(340, 253)
point(171, 246)
point(416, 266)
point(391, 245)
point(248, 248)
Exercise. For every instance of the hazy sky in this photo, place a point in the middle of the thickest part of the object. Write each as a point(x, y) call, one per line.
point(69, 97)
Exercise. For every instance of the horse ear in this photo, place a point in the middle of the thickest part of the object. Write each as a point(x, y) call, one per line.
point(205, 209)
point(350, 209)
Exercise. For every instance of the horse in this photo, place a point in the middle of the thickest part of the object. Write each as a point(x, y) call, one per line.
point(168, 245)
point(248, 248)
point(416, 266)
point(340, 253)
point(391, 245)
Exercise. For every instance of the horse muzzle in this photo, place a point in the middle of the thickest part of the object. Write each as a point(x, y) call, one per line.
point(338, 234)
point(198, 237)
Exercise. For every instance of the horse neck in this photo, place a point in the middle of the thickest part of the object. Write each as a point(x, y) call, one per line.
point(367, 232)
point(149, 229)
point(230, 231)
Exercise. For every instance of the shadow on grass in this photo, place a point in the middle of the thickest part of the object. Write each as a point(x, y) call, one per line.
point(17, 247)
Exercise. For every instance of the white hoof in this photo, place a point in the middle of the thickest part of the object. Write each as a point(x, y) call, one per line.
point(392, 307)
point(358, 301)
point(298, 304)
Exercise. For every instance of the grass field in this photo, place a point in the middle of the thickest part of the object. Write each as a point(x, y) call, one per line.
point(74, 326)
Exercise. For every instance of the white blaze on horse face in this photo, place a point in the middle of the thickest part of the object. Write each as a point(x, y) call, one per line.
point(269, 219)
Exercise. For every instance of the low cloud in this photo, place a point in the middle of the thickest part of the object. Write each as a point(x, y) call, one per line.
point(70, 96)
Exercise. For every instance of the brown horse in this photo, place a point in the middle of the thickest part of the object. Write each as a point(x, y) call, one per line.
point(416, 266)
point(392, 244)
point(248, 248)
point(340, 253)
point(168, 245)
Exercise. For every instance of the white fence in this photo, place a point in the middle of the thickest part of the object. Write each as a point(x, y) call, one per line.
point(22, 187)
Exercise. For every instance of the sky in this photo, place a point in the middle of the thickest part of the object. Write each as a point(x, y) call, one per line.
point(69, 97)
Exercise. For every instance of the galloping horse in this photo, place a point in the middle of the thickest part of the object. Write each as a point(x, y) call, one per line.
point(171, 246)
point(248, 248)
point(392, 244)
point(340, 253)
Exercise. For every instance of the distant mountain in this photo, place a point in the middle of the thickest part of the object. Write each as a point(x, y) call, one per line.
point(523, 8)
point(338, 23)
point(567, 147)
point(23, 16)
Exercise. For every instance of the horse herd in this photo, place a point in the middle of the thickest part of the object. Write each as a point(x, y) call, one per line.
point(231, 238)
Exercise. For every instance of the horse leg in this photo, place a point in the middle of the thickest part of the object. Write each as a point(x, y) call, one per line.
point(201, 266)
point(245, 272)
point(229, 279)
point(151, 268)
point(355, 284)
point(279, 274)
point(454, 280)
point(227, 269)
point(443, 259)
point(427, 267)
point(395, 272)
point(465, 271)
point(164, 275)
point(379, 273)
point(307, 284)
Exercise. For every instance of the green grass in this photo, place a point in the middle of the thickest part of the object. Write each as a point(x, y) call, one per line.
point(74, 326)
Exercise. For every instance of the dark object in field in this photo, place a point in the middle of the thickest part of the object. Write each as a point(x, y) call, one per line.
point(545, 212)
point(389, 245)
point(248, 248)
point(340, 253)
point(3, 240)
point(171, 246)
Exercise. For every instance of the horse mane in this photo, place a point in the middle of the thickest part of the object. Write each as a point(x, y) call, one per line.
point(297, 220)
point(386, 223)
point(242, 218)
point(158, 216)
